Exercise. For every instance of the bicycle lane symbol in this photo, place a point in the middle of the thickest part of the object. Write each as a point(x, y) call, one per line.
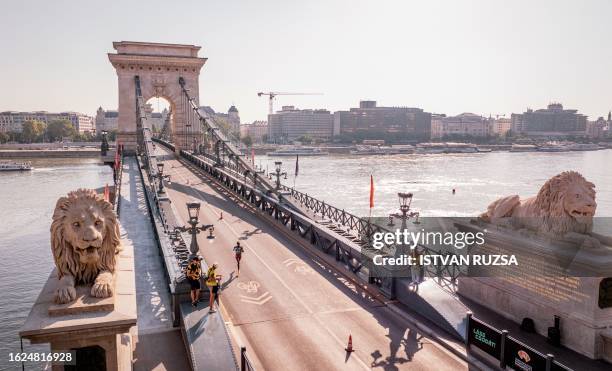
point(250, 287)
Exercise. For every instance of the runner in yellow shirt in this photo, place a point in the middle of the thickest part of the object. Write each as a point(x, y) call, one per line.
point(212, 281)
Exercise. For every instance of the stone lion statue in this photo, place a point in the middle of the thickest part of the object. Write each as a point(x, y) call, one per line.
point(84, 241)
point(565, 204)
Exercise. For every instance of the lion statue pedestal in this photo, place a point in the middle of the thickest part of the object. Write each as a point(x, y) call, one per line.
point(88, 303)
point(563, 268)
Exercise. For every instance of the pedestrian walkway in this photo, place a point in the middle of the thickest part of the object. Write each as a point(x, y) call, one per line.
point(158, 346)
point(207, 337)
point(206, 334)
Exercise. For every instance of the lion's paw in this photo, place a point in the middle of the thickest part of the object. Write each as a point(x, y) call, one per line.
point(103, 286)
point(591, 243)
point(65, 294)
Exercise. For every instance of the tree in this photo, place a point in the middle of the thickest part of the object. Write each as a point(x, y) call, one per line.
point(307, 139)
point(82, 137)
point(58, 129)
point(14, 136)
point(32, 131)
point(223, 124)
point(247, 140)
point(4, 137)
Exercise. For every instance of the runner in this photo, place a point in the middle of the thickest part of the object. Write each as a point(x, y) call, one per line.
point(212, 281)
point(238, 250)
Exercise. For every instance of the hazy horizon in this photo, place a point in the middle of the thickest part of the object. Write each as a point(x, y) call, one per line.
point(481, 56)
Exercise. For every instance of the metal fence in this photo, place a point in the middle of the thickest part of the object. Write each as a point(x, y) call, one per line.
point(117, 176)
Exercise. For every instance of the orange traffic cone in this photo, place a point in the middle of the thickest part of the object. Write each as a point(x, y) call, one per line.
point(349, 347)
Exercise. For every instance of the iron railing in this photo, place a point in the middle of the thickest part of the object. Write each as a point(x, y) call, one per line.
point(223, 147)
point(117, 176)
point(146, 150)
point(245, 362)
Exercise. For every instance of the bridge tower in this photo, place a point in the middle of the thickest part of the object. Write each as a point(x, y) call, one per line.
point(159, 67)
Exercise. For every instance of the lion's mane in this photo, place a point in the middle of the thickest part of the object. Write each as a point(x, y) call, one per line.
point(65, 257)
point(549, 203)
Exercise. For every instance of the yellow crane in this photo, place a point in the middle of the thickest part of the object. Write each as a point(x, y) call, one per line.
point(273, 94)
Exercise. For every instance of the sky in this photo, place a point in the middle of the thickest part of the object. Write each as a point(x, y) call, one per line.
point(445, 56)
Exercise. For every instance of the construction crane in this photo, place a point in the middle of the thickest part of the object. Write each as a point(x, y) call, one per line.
point(273, 94)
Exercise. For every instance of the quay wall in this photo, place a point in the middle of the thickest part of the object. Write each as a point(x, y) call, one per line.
point(83, 153)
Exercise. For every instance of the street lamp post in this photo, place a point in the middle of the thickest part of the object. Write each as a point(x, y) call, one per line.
point(405, 199)
point(160, 176)
point(104, 146)
point(277, 173)
point(193, 209)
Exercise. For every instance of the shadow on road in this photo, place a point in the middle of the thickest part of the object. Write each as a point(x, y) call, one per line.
point(247, 234)
point(397, 335)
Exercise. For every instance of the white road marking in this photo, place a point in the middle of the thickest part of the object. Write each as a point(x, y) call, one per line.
point(261, 300)
point(303, 269)
point(256, 298)
point(299, 268)
point(289, 262)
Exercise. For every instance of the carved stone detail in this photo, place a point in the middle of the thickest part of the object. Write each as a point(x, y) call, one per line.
point(85, 240)
point(565, 204)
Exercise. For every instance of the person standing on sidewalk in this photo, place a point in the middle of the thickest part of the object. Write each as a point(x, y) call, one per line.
point(193, 272)
point(415, 269)
point(238, 250)
point(212, 281)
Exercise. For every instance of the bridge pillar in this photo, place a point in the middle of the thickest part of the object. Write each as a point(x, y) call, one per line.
point(159, 67)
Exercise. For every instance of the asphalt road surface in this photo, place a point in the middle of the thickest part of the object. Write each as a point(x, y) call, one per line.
point(289, 310)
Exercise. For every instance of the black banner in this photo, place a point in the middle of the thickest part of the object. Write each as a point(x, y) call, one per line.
point(485, 338)
point(556, 366)
point(518, 356)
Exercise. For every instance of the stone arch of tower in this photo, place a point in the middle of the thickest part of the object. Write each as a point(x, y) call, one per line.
point(159, 67)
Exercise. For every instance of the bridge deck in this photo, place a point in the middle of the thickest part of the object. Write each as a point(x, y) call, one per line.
point(159, 346)
point(289, 309)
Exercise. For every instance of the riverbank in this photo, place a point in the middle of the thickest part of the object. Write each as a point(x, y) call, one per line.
point(422, 148)
point(51, 153)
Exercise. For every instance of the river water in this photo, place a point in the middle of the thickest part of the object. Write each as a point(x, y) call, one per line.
point(28, 200)
point(479, 179)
